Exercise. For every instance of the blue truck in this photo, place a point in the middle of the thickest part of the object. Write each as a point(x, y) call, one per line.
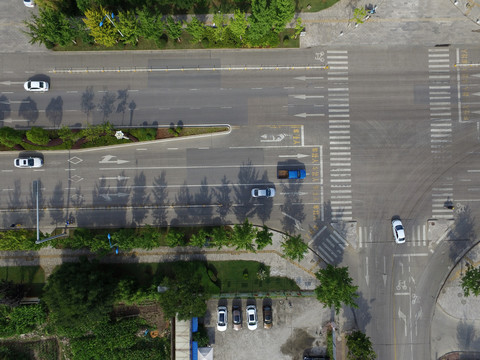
point(291, 174)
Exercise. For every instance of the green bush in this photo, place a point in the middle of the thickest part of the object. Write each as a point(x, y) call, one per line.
point(38, 135)
point(10, 137)
point(175, 238)
point(25, 318)
point(143, 134)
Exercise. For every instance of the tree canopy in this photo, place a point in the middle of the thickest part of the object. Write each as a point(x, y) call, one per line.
point(471, 281)
point(336, 287)
point(294, 248)
point(360, 347)
point(79, 296)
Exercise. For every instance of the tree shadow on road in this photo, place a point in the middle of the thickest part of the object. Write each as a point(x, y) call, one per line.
point(466, 336)
point(264, 211)
point(292, 208)
point(463, 233)
point(54, 111)
point(57, 201)
point(5, 109)
point(182, 201)
point(223, 198)
point(204, 213)
point(139, 199)
point(160, 194)
point(28, 110)
point(246, 175)
point(362, 314)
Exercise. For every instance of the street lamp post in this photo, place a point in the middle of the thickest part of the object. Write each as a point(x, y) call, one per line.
point(110, 19)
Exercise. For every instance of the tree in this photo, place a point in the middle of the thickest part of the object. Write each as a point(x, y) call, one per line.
point(260, 21)
point(336, 287)
point(243, 236)
point(196, 29)
point(360, 347)
point(106, 34)
point(284, 13)
point(218, 31)
point(238, 25)
point(79, 297)
point(175, 238)
point(264, 238)
point(185, 296)
point(471, 281)
point(128, 26)
point(173, 29)
point(220, 237)
point(298, 27)
point(51, 27)
point(293, 247)
point(199, 238)
point(150, 25)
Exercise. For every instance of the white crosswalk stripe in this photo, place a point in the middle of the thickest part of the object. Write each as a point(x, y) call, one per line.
point(442, 195)
point(339, 137)
point(440, 100)
point(329, 244)
point(415, 236)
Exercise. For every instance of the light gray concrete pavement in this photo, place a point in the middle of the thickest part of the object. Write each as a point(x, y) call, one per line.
point(456, 321)
point(410, 22)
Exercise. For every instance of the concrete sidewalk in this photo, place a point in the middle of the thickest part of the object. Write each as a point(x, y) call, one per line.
point(456, 321)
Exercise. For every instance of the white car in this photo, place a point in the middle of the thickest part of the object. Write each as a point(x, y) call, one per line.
point(36, 86)
point(266, 192)
point(28, 162)
point(398, 231)
point(222, 318)
point(28, 3)
point(252, 317)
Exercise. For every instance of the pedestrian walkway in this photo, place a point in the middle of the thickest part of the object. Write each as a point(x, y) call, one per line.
point(456, 322)
point(302, 272)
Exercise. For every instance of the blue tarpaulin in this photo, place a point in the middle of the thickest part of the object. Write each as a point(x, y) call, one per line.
point(194, 350)
point(194, 324)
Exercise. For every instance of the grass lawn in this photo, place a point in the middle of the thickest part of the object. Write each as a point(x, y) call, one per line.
point(230, 275)
point(32, 277)
point(315, 5)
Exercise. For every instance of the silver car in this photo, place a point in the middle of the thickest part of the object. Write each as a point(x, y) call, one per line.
point(28, 162)
point(36, 86)
point(263, 192)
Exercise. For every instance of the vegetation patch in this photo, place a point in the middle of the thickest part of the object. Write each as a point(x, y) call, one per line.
point(91, 136)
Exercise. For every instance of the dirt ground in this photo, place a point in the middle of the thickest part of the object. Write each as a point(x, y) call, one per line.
point(152, 313)
point(296, 331)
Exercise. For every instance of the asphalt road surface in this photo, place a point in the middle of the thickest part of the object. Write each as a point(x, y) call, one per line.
point(381, 133)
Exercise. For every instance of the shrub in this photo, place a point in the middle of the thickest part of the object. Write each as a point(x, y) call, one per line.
point(175, 238)
point(143, 134)
point(10, 137)
point(38, 135)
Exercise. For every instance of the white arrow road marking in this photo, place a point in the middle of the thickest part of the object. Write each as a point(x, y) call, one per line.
point(304, 96)
point(107, 160)
point(11, 82)
point(294, 193)
point(384, 272)
point(303, 78)
point(119, 178)
point(366, 270)
point(402, 316)
point(14, 120)
point(304, 115)
point(298, 156)
point(297, 222)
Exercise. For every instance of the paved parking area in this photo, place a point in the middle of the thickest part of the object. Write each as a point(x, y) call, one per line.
point(296, 328)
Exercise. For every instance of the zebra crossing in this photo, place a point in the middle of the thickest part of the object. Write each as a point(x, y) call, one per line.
point(339, 136)
point(440, 102)
point(329, 244)
point(441, 195)
point(415, 236)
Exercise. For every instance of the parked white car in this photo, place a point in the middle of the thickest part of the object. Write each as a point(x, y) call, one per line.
point(222, 319)
point(29, 3)
point(28, 162)
point(398, 231)
point(252, 317)
point(265, 192)
point(36, 86)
